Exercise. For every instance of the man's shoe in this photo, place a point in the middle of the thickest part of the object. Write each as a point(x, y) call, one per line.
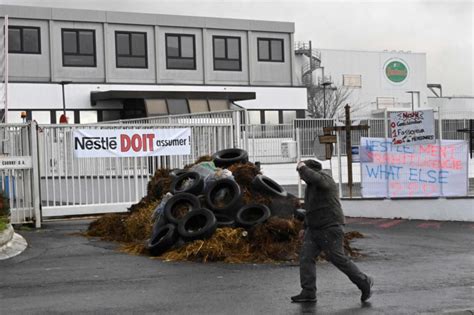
point(367, 292)
point(304, 297)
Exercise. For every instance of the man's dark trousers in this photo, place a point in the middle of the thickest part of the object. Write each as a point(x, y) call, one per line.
point(330, 241)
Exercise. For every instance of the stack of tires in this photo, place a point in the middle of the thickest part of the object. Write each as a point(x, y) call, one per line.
point(197, 207)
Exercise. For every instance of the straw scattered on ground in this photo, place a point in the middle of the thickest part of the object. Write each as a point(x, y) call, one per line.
point(272, 242)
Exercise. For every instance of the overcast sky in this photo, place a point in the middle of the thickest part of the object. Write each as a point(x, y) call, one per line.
point(441, 29)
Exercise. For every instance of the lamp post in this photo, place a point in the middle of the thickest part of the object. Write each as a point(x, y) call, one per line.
point(63, 116)
point(325, 84)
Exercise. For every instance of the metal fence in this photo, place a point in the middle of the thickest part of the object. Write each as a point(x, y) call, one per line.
point(71, 186)
point(17, 183)
point(264, 142)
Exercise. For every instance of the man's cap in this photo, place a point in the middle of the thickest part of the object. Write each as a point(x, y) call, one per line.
point(314, 165)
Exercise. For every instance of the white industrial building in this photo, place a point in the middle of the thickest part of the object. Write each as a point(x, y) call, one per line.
point(374, 80)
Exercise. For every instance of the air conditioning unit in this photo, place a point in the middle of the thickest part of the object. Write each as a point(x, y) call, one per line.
point(288, 149)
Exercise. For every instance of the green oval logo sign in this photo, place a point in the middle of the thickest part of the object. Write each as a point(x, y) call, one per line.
point(396, 71)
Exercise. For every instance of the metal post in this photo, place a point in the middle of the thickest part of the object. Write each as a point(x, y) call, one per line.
point(339, 166)
point(64, 98)
point(298, 159)
point(253, 143)
point(440, 137)
point(349, 148)
point(35, 169)
point(385, 125)
point(6, 69)
point(324, 99)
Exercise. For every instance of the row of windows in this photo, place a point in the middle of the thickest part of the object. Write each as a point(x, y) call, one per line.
point(257, 117)
point(79, 49)
point(157, 107)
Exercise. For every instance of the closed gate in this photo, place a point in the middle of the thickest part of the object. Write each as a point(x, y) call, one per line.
point(18, 174)
point(81, 186)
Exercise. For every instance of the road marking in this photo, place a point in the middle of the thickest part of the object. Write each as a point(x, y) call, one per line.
point(428, 225)
point(390, 224)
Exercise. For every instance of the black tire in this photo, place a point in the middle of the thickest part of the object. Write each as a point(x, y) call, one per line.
point(268, 186)
point(232, 196)
point(227, 157)
point(162, 239)
point(251, 215)
point(176, 172)
point(195, 188)
point(197, 224)
point(224, 220)
point(284, 207)
point(159, 222)
point(178, 202)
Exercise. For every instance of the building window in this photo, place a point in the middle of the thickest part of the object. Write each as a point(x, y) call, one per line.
point(78, 48)
point(131, 50)
point(270, 49)
point(41, 116)
point(88, 117)
point(254, 117)
point(272, 117)
point(69, 115)
point(198, 106)
point(227, 53)
point(108, 115)
point(24, 40)
point(289, 116)
point(177, 106)
point(352, 80)
point(218, 105)
point(180, 52)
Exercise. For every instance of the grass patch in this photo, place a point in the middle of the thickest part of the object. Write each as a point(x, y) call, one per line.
point(3, 223)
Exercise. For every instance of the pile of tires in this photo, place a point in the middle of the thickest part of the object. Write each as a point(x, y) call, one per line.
point(198, 207)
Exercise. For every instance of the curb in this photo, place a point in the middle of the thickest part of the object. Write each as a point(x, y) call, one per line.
point(11, 243)
point(459, 312)
point(6, 235)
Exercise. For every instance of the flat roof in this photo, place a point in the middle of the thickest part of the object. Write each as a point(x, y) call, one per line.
point(372, 51)
point(61, 14)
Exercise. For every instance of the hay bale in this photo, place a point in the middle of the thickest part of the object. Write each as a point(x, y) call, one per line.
point(110, 227)
point(226, 244)
point(138, 225)
point(244, 173)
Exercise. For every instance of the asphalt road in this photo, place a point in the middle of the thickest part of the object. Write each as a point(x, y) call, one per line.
point(418, 267)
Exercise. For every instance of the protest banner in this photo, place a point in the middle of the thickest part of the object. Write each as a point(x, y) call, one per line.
point(412, 127)
point(424, 170)
point(131, 142)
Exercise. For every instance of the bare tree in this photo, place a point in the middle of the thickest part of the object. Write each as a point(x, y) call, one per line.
point(328, 102)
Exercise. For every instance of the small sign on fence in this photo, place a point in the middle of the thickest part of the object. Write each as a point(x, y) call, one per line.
point(15, 162)
point(131, 142)
point(412, 127)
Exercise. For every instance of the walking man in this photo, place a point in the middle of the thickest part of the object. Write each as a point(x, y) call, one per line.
point(323, 232)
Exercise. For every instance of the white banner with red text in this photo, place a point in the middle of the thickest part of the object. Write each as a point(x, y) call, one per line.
point(89, 143)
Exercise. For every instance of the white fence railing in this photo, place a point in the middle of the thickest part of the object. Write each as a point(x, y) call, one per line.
point(18, 156)
point(71, 186)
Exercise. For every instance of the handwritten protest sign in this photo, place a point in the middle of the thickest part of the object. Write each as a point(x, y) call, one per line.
point(425, 170)
point(412, 127)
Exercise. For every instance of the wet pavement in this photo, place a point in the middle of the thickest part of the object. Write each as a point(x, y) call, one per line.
point(418, 267)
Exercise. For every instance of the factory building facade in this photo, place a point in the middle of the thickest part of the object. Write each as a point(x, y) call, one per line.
point(100, 66)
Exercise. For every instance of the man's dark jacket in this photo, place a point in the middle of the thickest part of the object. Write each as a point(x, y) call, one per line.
point(321, 199)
